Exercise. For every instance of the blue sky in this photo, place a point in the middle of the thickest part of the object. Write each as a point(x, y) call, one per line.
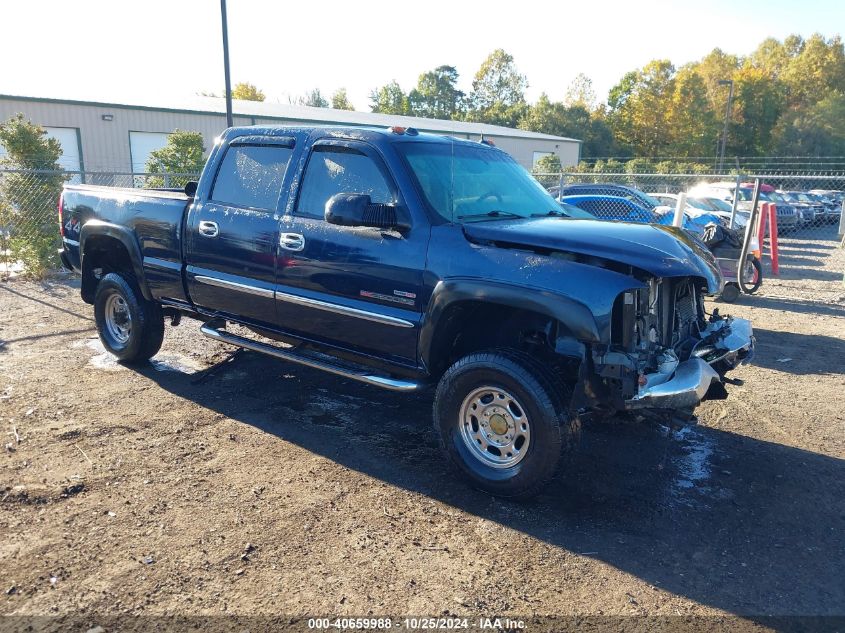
point(110, 50)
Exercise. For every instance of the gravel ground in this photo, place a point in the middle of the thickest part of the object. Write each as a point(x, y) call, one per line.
point(209, 483)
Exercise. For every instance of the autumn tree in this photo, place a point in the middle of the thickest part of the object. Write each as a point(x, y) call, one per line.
point(692, 125)
point(247, 92)
point(638, 107)
point(580, 92)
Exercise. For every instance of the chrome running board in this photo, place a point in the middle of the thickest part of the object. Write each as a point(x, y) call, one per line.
point(215, 329)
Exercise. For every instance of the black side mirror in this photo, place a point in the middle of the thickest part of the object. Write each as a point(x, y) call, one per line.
point(191, 188)
point(356, 209)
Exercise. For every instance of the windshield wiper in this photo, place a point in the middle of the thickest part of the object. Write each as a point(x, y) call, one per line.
point(553, 213)
point(491, 214)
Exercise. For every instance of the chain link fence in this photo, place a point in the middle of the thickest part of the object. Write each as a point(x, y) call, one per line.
point(29, 229)
point(809, 215)
point(808, 206)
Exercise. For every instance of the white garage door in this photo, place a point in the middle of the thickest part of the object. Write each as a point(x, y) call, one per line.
point(68, 138)
point(141, 144)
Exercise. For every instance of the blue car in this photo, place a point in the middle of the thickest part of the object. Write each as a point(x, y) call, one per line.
point(613, 208)
point(609, 189)
point(625, 210)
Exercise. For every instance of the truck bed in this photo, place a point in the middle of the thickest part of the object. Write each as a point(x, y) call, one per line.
point(151, 219)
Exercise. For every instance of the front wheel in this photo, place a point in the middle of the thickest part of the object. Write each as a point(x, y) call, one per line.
point(502, 420)
point(130, 327)
point(752, 276)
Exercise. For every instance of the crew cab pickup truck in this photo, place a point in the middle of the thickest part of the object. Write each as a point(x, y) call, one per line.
point(404, 260)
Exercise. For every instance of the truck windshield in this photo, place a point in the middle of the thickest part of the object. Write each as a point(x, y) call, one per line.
point(464, 183)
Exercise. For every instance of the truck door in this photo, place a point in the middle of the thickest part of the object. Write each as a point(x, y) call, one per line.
point(232, 236)
point(357, 288)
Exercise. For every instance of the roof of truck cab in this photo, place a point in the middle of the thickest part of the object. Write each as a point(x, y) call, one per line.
point(368, 133)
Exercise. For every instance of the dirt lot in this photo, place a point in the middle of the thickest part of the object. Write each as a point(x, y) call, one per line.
point(205, 485)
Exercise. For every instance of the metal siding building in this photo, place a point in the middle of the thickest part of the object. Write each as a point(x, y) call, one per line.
point(119, 137)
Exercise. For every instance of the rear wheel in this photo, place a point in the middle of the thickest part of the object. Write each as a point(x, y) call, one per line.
point(130, 327)
point(502, 420)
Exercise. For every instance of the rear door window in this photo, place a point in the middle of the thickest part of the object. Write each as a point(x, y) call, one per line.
point(251, 176)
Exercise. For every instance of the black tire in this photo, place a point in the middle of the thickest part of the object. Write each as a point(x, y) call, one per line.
point(730, 292)
point(145, 331)
point(536, 390)
point(752, 285)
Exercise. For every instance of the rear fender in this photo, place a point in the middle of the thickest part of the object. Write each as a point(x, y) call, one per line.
point(99, 228)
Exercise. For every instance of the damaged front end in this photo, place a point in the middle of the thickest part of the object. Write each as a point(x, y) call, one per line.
point(665, 352)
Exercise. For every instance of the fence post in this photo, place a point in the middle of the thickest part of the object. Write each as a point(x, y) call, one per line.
point(842, 220)
point(749, 231)
point(679, 209)
point(736, 201)
point(560, 185)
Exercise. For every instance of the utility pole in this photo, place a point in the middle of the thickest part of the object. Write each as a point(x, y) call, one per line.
point(726, 82)
point(229, 120)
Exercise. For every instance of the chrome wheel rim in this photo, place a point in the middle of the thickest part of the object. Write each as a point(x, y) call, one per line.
point(494, 427)
point(118, 319)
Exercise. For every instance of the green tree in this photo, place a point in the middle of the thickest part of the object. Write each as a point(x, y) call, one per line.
point(759, 104)
point(28, 197)
point(389, 99)
point(816, 130)
point(548, 164)
point(436, 95)
point(340, 101)
point(247, 92)
point(183, 154)
point(314, 98)
point(573, 121)
point(498, 91)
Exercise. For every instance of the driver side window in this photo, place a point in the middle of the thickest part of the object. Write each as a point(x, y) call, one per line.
point(333, 170)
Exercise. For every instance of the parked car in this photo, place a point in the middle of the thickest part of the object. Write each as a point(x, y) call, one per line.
point(625, 210)
point(833, 194)
point(806, 212)
point(607, 207)
point(401, 260)
point(788, 217)
point(610, 189)
point(832, 209)
point(697, 206)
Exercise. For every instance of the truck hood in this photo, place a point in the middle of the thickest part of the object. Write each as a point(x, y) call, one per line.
point(662, 251)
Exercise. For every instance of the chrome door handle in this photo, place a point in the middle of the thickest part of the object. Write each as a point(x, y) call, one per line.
point(208, 229)
point(292, 241)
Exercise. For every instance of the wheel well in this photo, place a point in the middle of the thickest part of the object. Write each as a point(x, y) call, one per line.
point(471, 326)
point(102, 255)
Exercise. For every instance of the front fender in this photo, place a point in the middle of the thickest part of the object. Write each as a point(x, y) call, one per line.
point(576, 316)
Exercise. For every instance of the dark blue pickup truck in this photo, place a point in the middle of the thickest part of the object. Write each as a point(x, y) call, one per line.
point(404, 260)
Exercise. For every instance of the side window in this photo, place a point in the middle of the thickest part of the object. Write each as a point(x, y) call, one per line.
point(251, 176)
point(333, 170)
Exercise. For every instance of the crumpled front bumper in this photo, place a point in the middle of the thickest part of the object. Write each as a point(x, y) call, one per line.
point(725, 344)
